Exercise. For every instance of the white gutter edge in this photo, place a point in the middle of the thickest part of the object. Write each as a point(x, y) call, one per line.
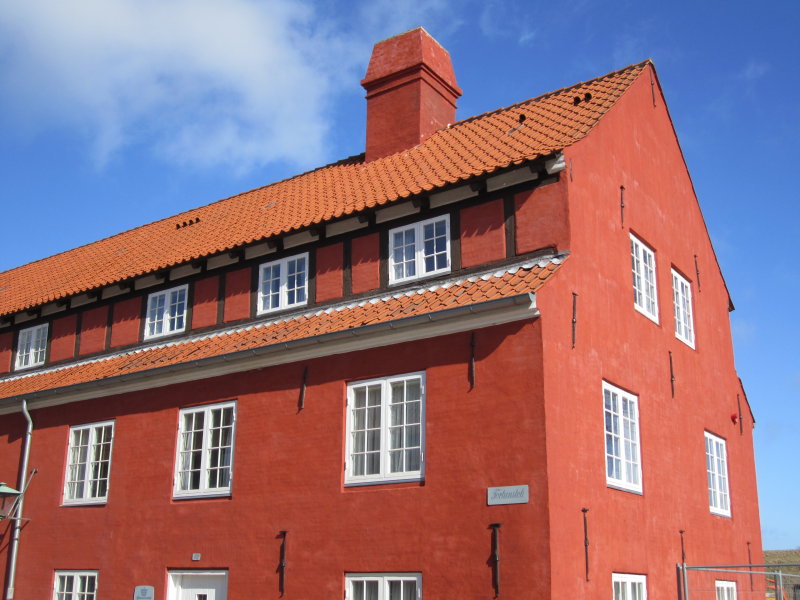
point(428, 325)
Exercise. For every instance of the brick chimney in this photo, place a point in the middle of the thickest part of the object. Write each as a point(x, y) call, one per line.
point(411, 92)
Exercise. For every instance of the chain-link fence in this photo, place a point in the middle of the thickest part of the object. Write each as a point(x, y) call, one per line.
point(740, 582)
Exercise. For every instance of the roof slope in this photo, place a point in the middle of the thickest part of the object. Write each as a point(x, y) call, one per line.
point(521, 278)
point(475, 146)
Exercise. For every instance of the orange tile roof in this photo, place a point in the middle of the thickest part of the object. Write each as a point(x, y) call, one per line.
point(469, 148)
point(508, 282)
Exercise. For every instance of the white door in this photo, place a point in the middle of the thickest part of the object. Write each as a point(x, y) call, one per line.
point(198, 586)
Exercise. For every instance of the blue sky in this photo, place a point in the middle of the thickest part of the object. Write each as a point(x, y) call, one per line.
point(114, 113)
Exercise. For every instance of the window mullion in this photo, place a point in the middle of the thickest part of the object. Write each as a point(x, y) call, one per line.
point(384, 441)
point(205, 450)
point(284, 284)
point(419, 248)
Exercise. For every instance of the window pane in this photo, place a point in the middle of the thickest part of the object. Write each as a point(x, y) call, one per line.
point(205, 455)
point(621, 438)
point(385, 427)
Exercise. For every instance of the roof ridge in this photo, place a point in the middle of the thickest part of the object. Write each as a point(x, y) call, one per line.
point(495, 111)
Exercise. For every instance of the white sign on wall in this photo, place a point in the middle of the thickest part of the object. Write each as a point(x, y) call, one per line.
point(510, 494)
point(144, 592)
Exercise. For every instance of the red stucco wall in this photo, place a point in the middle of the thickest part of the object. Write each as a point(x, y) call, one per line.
point(206, 297)
point(94, 324)
point(542, 218)
point(330, 269)
point(483, 235)
point(288, 476)
point(126, 322)
point(62, 337)
point(365, 258)
point(237, 294)
point(634, 146)
point(6, 351)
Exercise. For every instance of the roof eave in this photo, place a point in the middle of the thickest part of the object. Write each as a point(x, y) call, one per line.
point(429, 325)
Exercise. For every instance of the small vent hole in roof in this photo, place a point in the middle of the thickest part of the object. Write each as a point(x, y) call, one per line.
point(270, 205)
point(521, 119)
point(182, 224)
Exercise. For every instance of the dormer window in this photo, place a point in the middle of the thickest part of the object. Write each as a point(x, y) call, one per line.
point(283, 283)
point(31, 347)
point(166, 312)
point(419, 250)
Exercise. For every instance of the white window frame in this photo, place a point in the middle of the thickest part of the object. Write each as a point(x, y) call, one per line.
point(719, 499)
point(622, 439)
point(175, 580)
point(89, 471)
point(75, 577)
point(682, 303)
point(385, 453)
point(166, 321)
point(31, 347)
point(418, 249)
point(206, 453)
point(725, 590)
point(622, 586)
point(645, 286)
point(383, 580)
point(285, 288)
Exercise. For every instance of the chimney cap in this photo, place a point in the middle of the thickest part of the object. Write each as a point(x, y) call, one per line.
point(409, 50)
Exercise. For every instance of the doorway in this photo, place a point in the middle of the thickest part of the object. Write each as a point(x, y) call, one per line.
point(198, 585)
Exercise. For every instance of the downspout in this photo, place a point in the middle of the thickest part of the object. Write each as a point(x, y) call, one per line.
point(23, 475)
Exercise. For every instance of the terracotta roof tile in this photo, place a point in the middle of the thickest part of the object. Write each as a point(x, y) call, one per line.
point(500, 284)
point(475, 146)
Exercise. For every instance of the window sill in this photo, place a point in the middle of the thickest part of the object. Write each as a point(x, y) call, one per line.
point(719, 513)
point(368, 482)
point(87, 502)
point(641, 311)
point(419, 277)
point(622, 488)
point(27, 367)
point(200, 495)
point(280, 309)
point(158, 336)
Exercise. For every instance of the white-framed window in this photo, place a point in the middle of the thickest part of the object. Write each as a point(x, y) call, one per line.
point(75, 585)
point(31, 347)
point(419, 250)
point(283, 283)
point(166, 312)
point(386, 429)
point(643, 264)
point(204, 463)
point(629, 587)
point(682, 302)
point(717, 469)
point(726, 590)
point(383, 586)
point(623, 464)
point(197, 585)
point(88, 463)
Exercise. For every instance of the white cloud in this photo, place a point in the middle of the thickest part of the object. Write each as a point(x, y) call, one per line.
point(753, 70)
point(239, 83)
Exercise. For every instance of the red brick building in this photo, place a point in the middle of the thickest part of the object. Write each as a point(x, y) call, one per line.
point(500, 338)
